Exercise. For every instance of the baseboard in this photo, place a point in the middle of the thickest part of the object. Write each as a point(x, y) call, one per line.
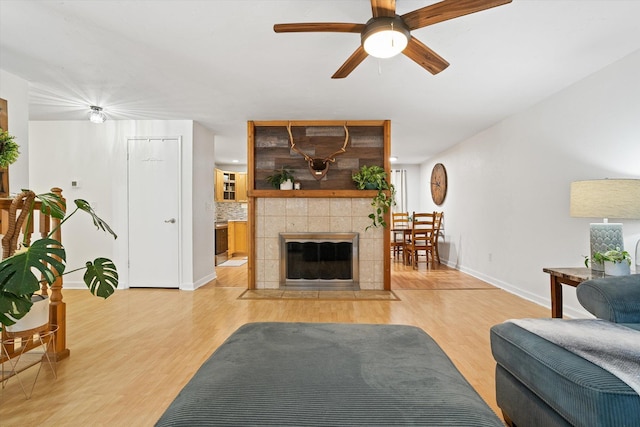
point(195, 285)
point(191, 286)
point(512, 289)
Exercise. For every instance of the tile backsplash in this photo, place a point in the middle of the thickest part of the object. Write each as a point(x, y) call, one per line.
point(226, 211)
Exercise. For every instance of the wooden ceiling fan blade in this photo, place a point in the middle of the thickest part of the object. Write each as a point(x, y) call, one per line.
point(329, 27)
point(350, 64)
point(425, 57)
point(383, 8)
point(447, 9)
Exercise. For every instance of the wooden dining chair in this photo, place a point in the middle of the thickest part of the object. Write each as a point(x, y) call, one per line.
point(437, 230)
point(399, 223)
point(422, 238)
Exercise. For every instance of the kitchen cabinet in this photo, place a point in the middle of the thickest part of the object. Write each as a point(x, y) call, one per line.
point(230, 186)
point(237, 238)
point(241, 187)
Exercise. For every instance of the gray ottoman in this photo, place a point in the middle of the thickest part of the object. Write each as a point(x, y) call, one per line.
point(310, 374)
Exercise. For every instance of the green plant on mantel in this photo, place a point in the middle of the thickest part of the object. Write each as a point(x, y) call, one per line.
point(375, 178)
point(44, 260)
point(280, 176)
point(613, 255)
point(9, 149)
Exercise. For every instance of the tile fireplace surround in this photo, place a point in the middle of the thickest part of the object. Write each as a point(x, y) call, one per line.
point(295, 215)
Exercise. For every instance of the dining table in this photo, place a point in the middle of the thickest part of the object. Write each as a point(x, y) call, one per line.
point(406, 234)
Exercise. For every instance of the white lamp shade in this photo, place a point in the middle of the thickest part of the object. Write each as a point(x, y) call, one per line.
point(606, 198)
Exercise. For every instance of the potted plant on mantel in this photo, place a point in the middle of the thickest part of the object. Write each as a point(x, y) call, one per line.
point(375, 178)
point(46, 257)
point(616, 262)
point(282, 178)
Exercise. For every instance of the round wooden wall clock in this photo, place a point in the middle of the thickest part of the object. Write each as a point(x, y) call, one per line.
point(438, 184)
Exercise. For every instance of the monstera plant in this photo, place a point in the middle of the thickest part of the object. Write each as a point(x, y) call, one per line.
point(44, 260)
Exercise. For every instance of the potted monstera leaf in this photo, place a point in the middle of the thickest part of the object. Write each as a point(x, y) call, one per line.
point(44, 260)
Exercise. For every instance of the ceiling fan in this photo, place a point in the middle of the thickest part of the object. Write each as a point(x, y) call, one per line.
point(387, 34)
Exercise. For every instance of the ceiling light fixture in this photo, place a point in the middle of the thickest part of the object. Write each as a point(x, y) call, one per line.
point(393, 159)
point(96, 115)
point(384, 37)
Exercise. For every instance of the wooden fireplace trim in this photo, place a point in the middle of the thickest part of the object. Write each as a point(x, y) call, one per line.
point(253, 193)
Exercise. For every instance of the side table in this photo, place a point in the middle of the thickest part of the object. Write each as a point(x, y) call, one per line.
point(567, 276)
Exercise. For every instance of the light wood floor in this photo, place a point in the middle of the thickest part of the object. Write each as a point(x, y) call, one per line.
point(131, 354)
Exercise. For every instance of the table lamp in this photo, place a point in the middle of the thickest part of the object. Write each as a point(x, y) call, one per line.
point(605, 198)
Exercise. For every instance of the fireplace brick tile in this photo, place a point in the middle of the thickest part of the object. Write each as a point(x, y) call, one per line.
point(340, 207)
point(340, 224)
point(275, 207)
point(274, 225)
point(298, 207)
point(297, 224)
point(271, 248)
point(319, 223)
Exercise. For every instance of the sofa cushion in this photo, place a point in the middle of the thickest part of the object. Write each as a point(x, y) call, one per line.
point(616, 299)
point(579, 391)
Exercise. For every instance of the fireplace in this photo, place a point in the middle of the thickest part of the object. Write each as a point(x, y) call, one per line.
point(319, 261)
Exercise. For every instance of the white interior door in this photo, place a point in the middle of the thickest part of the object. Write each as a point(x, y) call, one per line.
point(154, 212)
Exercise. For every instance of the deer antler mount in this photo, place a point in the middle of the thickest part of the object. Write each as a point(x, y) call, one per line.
point(319, 166)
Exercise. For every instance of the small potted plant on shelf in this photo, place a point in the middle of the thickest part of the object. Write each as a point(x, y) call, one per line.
point(282, 178)
point(375, 178)
point(616, 262)
point(44, 260)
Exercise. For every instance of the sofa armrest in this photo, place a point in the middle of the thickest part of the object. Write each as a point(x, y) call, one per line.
point(613, 298)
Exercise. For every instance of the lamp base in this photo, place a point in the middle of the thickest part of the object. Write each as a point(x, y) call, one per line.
point(604, 237)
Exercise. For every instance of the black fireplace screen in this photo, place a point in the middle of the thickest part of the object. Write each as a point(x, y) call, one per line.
point(319, 260)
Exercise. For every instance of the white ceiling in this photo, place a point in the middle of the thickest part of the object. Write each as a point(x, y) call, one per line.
point(220, 63)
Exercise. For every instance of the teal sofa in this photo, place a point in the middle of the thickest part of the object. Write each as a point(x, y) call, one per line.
point(539, 383)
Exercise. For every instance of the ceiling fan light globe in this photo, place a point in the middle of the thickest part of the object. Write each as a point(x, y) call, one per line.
point(385, 44)
point(385, 37)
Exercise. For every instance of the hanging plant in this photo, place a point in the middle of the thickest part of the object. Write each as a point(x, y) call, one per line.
point(375, 178)
point(8, 149)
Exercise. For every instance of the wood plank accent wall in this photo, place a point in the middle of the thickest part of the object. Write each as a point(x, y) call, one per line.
point(268, 148)
point(272, 150)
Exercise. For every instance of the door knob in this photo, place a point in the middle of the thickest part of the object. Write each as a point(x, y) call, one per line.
point(172, 220)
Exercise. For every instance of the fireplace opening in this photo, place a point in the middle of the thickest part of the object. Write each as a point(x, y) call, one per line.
point(319, 260)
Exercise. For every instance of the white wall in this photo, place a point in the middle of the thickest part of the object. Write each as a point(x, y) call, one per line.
point(203, 205)
point(507, 207)
point(16, 91)
point(96, 156)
